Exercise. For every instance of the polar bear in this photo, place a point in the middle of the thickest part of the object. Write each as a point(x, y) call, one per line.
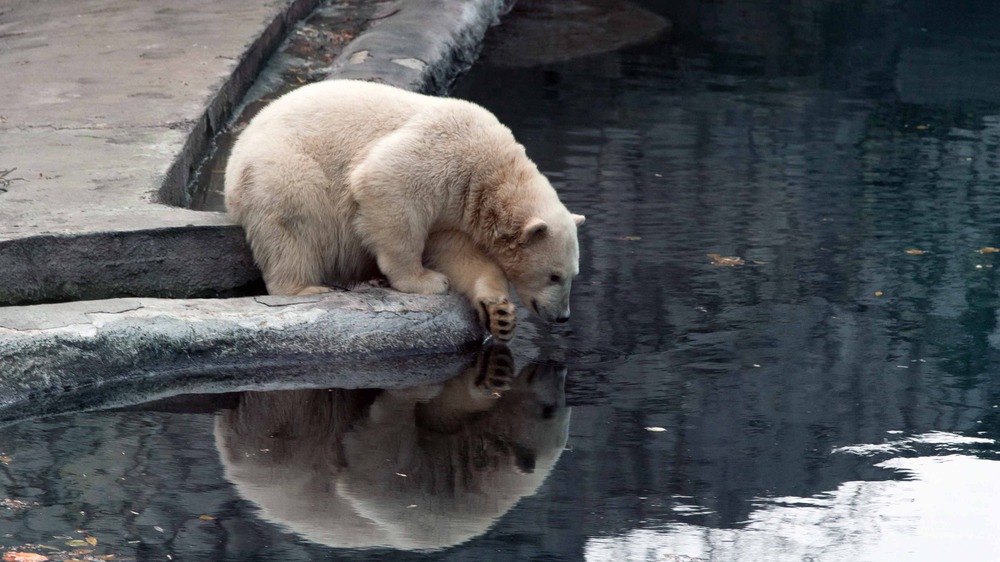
point(341, 180)
point(423, 468)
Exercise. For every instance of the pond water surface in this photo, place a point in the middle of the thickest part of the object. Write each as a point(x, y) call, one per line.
point(784, 344)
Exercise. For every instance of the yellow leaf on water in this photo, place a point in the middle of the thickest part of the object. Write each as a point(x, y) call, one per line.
point(91, 541)
point(915, 252)
point(206, 518)
point(725, 261)
point(5, 459)
point(76, 543)
point(878, 293)
point(23, 557)
point(989, 250)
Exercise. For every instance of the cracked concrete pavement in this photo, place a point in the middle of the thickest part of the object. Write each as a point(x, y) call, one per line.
point(108, 106)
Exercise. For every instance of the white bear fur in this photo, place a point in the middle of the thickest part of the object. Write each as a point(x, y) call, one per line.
point(340, 180)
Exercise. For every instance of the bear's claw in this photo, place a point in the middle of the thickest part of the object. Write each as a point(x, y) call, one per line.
point(498, 316)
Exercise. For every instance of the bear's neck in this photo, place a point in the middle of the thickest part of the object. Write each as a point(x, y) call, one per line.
point(499, 201)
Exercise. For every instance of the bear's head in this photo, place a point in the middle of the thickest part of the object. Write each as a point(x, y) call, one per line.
point(542, 262)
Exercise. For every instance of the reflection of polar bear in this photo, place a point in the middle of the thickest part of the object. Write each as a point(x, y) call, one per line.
point(416, 469)
point(341, 179)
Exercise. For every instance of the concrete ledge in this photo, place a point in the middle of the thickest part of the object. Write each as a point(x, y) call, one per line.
point(67, 355)
point(174, 262)
point(423, 46)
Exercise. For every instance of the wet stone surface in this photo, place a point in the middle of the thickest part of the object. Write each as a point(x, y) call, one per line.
point(783, 344)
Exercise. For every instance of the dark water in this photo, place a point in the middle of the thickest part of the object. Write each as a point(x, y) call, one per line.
point(832, 396)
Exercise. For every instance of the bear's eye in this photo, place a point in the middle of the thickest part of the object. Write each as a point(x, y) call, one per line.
point(555, 278)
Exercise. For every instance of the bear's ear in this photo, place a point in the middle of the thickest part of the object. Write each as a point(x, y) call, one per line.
point(578, 219)
point(532, 230)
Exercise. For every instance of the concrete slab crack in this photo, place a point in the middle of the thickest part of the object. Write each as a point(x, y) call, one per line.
point(275, 303)
point(116, 311)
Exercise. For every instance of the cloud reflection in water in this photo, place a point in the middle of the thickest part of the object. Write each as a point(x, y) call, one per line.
point(944, 507)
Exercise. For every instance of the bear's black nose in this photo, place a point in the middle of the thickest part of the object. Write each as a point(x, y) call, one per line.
point(562, 319)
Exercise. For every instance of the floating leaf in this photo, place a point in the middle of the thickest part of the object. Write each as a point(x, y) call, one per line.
point(725, 261)
point(989, 250)
point(915, 252)
point(206, 518)
point(878, 293)
point(5, 459)
point(91, 541)
point(76, 543)
point(655, 428)
point(14, 505)
point(12, 556)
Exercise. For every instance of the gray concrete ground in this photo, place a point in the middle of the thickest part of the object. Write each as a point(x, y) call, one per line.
point(107, 107)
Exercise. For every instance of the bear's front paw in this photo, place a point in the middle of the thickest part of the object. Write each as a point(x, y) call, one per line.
point(427, 283)
point(498, 315)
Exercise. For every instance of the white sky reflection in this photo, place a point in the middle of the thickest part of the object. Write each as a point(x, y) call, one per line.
point(946, 510)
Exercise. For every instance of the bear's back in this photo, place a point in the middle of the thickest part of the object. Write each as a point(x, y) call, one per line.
point(344, 113)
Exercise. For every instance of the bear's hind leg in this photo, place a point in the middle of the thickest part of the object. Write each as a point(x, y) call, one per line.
point(291, 272)
point(289, 237)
